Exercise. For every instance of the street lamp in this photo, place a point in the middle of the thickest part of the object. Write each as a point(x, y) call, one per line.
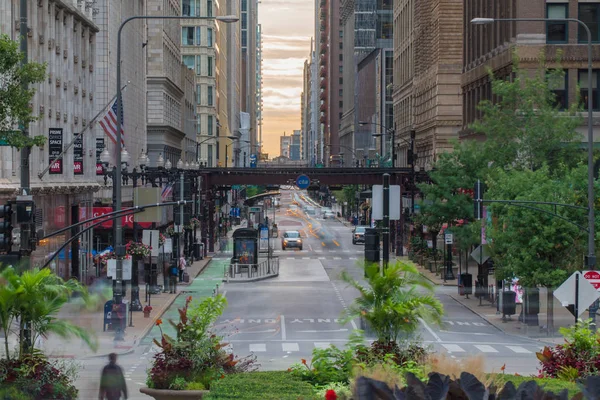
point(388, 131)
point(233, 139)
point(119, 247)
point(590, 259)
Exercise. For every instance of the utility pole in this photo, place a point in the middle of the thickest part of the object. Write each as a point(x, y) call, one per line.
point(386, 221)
point(25, 151)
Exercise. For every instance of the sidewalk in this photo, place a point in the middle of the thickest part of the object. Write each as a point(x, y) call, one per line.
point(487, 311)
point(94, 320)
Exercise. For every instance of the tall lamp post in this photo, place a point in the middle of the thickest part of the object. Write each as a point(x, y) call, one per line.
point(233, 139)
point(119, 247)
point(388, 131)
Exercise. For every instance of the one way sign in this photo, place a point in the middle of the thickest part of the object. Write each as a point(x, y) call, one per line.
point(577, 294)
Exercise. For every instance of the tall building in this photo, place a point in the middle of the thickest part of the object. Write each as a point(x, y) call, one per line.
point(428, 38)
point(259, 82)
point(295, 145)
point(166, 86)
point(198, 52)
point(65, 39)
point(284, 145)
point(248, 91)
point(367, 72)
point(486, 48)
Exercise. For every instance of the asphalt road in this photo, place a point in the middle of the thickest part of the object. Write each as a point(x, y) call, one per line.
point(282, 320)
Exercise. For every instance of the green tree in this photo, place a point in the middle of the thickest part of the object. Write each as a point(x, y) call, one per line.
point(393, 303)
point(15, 99)
point(33, 300)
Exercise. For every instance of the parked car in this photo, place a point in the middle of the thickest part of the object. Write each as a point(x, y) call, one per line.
point(358, 234)
point(291, 239)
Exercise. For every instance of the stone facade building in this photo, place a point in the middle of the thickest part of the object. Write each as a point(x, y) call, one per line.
point(62, 33)
point(495, 47)
point(427, 73)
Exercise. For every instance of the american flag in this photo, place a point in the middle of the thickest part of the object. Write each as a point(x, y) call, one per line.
point(109, 124)
point(166, 192)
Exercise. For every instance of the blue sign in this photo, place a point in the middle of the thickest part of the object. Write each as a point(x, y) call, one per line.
point(302, 182)
point(252, 160)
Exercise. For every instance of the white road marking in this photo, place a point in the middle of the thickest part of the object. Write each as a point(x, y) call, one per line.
point(353, 258)
point(224, 293)
point(283, 332)
point(330, 330)
point(453, 348)
point(519, 349)
point(258, 347)
point(322, 345)
point(468, 333)
point(435, 336)
point(353, 324)
point(310, 247)
point(290, 347)
point(485, 348)
point(322, 258)
point(337, 258)
point(306, 258)
point(318, 251)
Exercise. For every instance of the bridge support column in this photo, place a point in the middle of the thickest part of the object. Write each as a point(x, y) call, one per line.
point(211, 224)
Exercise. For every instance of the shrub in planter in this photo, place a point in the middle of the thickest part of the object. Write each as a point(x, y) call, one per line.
point(392, 351)
point(197, 356)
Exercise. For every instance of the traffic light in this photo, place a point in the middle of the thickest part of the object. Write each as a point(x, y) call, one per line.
point(6, 228)
point(477, 200)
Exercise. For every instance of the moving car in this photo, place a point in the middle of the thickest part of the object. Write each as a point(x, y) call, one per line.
point(291, 239)
point(328, 215)
point(358, 234)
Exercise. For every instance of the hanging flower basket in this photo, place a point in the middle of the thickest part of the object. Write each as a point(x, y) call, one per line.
point(161, 239)
point(138, 249)
point(194, 222)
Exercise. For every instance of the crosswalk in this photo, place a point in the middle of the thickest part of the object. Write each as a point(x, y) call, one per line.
point(300, 256)
point(306, 347)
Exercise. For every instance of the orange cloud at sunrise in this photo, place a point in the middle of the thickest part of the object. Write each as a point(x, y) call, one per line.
point(287, 28)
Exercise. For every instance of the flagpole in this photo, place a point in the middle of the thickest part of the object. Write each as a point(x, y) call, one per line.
point(45, 171)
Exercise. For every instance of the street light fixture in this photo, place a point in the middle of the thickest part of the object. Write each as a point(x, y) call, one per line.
point(590, 259)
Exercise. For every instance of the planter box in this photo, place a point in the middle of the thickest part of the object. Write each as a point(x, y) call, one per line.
point(166, 394)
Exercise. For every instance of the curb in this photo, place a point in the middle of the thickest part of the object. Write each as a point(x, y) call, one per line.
point(150, 326)
point(259, 278)
point(540, 340)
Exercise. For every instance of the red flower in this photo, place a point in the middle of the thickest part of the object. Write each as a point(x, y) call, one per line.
point(330, 395)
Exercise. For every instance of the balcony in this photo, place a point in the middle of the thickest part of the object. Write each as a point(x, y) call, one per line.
point(323, 72)
point(323, 95)
point(323, 83)
point(323, 60)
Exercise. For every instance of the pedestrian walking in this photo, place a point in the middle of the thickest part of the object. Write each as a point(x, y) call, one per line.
point(174, 275)
point(112, 381)
point(182, 265)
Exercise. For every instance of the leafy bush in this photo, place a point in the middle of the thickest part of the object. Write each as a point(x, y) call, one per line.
point(342, 390)
point(37, 378)
point(327, 365)
point(550, 384)
point(277, 385)
point(578, 357)
point(380, 351)
point(197, 354)
point(12, 393)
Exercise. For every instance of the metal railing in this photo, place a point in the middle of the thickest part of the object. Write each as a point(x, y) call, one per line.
point(267, 267)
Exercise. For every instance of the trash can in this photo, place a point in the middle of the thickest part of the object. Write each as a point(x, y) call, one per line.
point(198, 251)
point(509, 303)
point(466, 281)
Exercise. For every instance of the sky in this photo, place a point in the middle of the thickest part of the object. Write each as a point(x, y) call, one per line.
point(287, 27)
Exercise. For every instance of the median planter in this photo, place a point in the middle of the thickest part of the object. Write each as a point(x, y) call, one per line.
point(167, 394)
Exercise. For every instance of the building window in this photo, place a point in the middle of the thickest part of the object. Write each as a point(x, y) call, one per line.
point(209, 8)
point(341, 92)
point(189, 8)
point(341, 105)
point(559, 88)
point(209, 65)
point(341, 34)
point(341, 81)
point(244, 20)
point(198, 65)
point(589, 13)
point(198, 121)
point(244, 38)
point(210, 155)
point(198, 36)
point(210, 125)
point(198, 94)
point(341, 45)
point(341, 57)
point(187, 36)
point(583, 87)
point(189, 61)
point(209, 37)
point(341, 68)
point(209, 95)
point(244, 5)
point(557, 32)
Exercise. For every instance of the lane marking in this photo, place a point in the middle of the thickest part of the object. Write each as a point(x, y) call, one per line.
point(310, 247)
point(519, 349)
point(325, 331)
point(323, 244)
point(282, 323)
point(306, 258)
point(290, 347)
point(336, 243)
point(224, 293)
point(453, 348)
point(485, 348)
point(337, 258)
point(353, 325)
point(258, 347)
point(322, 258)
point(322, 345)
point(435, 336)
point(468, 333)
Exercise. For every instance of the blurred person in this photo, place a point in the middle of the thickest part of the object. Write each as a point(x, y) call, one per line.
point(112, 381)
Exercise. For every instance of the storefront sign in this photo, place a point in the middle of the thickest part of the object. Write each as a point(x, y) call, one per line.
point(99, 150)
point(126, 220)
point(78, 155)
point(55, 147)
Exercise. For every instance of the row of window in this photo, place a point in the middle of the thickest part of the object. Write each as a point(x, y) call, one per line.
point(558, 32)
point(210, 125)
point(193, 8)
point(194, 62)
point(561, 90)
point(192, 36)
point(210, 95)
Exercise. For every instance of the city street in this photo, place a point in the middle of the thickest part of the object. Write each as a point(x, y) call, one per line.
point(282, 320)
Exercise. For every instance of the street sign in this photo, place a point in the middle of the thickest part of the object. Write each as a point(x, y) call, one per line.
point(592, 277)
point(264, 238)
point(576, 284)
point(111, 269)
point(252, 160)
point(480, 254)
point(448, 238)
point(378, 202)
point(302, 182)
